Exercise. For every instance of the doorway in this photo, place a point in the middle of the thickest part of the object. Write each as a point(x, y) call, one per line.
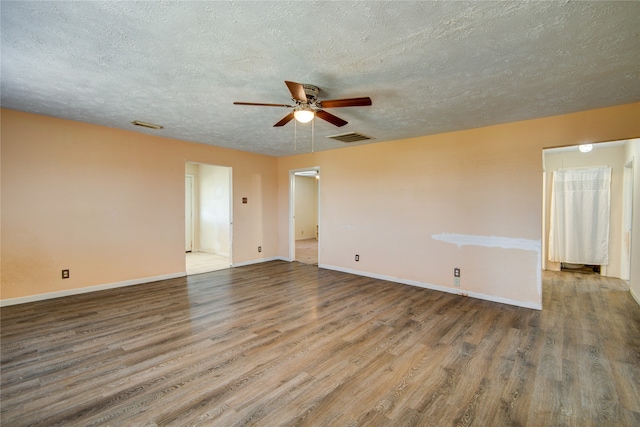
point(594, 156)
point(208, 218)
point(304, 214)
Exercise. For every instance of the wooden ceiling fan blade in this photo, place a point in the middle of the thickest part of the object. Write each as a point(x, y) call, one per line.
point(262, 105)
point(330, 118)
point(347, 102)
point(286, 119)
point(297, 91)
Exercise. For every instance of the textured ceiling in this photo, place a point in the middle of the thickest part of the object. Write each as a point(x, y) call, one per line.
point(429, 67)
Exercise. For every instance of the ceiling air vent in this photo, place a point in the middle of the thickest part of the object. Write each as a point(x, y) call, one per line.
point(350, 137)
point(146, 125)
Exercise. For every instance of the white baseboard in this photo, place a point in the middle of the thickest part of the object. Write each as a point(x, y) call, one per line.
point(213, 252)
point(77, 291)
point(635, 297)
point(258, 261)
point(69, 292)
point(477, 295)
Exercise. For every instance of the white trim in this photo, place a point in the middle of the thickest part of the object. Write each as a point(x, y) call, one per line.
point(292, 219)
point(77, 291)
point(192, 208)
point(230, 214)
point(258, 261)
point(627, 220)
point(635, 297)
point(477, 295)
point(489, 241)
point(575, 168)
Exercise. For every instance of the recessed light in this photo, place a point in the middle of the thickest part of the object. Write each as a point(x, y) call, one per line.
point(585, 148)
point(146, 125)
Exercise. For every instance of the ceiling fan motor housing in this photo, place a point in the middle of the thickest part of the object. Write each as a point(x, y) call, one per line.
point(312, 92)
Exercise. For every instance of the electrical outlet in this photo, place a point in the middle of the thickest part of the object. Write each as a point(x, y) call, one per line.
point(456, 277)
point(65, 274)
point(456, 272)
point(357, 257)
point(259, 248)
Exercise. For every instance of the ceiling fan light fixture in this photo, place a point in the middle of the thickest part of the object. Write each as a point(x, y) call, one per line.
point(304, 115)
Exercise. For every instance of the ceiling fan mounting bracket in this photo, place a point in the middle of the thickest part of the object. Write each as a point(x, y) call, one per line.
point(312, 92)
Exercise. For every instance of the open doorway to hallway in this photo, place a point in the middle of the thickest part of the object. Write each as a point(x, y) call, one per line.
point(208, 218)
point(613, 155)
point(304, 224)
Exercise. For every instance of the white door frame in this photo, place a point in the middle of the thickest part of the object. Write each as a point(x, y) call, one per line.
point(627, 219)
point(292, 209)
point(190, 178)
point(543, 239)
point(230, 216)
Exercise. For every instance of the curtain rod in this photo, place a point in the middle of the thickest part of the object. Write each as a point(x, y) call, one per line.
point(583, 167)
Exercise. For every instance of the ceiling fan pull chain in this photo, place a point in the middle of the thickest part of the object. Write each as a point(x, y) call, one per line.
point(295, 136)
point(313, 127)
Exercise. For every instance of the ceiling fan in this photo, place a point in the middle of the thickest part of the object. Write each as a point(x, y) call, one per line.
point(307, 105)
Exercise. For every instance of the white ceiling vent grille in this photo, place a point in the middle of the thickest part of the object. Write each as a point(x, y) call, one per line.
point(350, 137)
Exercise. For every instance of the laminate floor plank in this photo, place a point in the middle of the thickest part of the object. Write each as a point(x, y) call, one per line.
point(486, 404)
point(288, 344)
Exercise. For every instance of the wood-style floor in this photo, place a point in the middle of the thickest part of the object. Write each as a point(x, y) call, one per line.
point(288, 344)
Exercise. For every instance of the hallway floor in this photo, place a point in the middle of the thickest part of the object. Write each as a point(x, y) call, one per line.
point(307, 251)
point(202, 262)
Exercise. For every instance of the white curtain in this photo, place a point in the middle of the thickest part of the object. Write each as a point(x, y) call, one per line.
point(579, 224)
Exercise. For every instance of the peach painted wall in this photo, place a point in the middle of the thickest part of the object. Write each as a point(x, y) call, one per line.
point(414, 209)
point(93, 199)
point(108, 204)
